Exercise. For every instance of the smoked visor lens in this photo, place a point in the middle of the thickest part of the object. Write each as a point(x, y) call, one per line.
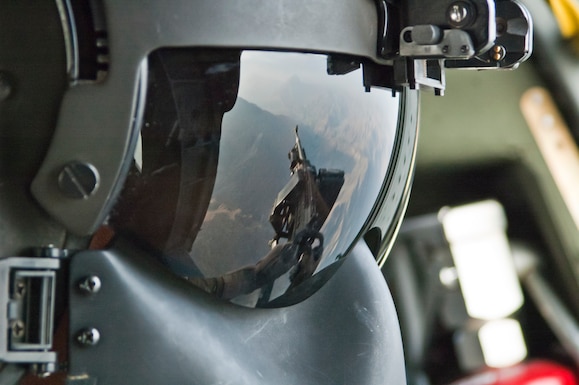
point(256, 171)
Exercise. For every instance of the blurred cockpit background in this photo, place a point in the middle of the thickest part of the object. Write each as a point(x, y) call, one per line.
point(493, 220)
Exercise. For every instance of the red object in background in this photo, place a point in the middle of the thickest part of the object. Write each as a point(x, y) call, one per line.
point(532, 373)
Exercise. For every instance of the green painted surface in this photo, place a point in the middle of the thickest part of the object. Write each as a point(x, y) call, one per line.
point(478, 118)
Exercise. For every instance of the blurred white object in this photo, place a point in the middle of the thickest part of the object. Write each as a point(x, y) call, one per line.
point(502, 343)
point(482, 256)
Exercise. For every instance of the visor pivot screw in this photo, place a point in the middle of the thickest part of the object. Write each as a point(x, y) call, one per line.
point(78, 180)
point(5, 86)
point(458, 14)
point(90, 284)
point(88, 337)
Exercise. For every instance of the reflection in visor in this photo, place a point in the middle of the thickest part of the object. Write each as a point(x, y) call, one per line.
point(299, 212)
point(217, 127)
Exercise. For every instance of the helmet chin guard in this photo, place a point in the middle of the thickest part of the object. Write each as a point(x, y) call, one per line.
point(155, 329)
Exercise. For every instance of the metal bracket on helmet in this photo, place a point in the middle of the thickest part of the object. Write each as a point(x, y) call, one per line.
point(434, 35)
point(26, 324)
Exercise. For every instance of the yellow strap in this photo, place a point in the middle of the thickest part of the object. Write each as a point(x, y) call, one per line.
point(567, 15)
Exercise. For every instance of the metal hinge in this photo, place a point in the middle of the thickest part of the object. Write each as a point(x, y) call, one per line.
point(27, 297)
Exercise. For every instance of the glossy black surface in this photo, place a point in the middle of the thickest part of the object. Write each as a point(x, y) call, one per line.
point(210, 188)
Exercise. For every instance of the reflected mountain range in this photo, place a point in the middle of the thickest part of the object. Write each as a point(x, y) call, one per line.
point(253, 166)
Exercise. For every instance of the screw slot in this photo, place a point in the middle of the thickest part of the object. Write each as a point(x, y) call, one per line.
point(459, 14)
point(78, 180)
point(19, 289)
point(18, 329)
point(88, 337)
point(91, 284)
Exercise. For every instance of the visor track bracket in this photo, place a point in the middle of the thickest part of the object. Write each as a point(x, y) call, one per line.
point(424, 37)
point(27, 300)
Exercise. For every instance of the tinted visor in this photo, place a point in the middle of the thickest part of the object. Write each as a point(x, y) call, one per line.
point(257, 171)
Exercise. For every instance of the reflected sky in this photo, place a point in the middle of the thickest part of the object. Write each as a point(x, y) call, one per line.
point(341, 127)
